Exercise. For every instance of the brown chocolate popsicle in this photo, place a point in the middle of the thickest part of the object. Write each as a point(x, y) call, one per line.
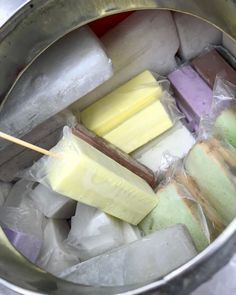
point(210, 64)
point(116, 154)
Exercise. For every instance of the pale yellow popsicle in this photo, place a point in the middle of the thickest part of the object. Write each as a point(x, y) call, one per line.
point(111, 110)
point(140, 128)
point(85, 174)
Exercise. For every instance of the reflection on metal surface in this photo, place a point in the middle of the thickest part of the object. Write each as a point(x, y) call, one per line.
point(35, 27)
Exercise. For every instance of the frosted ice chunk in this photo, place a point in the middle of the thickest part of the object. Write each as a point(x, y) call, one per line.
point(52, 204)
point(55, 256)
point(94, 232)
point(146, 40)
point(194, 35)
point(141, 261)
point(69, 69)
point(5, 188)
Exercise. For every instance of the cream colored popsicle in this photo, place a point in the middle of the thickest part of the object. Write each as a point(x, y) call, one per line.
point(140, 128)
point(85, 174)
point(114, 108)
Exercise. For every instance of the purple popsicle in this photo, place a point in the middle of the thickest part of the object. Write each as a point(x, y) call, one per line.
point(193, 95)
point(26, 244)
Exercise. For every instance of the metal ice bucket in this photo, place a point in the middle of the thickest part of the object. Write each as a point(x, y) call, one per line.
point(26, 35)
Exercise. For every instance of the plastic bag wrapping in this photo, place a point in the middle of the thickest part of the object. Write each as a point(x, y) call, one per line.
point(134, 113)
point(5, 188)
point(68, 70)
point(142, 261)
point(16, 158)
point(94, 232)
point(175, 142)
point(19, 213)
point(115, 153)
point(211, 164)
point(55, 256)
point(89, 176)
point(177, 203)
point(220, 122)
point(141, 38)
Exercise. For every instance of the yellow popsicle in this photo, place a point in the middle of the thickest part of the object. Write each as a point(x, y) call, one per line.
point(111, 110)
point(140, 128)
point(85, 174)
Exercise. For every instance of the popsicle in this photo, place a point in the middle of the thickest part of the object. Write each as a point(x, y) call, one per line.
point(212, 167)
point(210, 64)
point(140, 128)
point(225, 125)
point(142, 261)
point(89, 176)
point(177, 141)
point(116, 154)
point(119, 105)
point(28, 245)
point(177, 205)
point(193, 95)
point(52, 204)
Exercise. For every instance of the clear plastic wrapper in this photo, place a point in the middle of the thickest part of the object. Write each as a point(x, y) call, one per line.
point(68, 70)
point(211, 164)
point(220, 122)
point(89, 176)
point(177, 203)
point(144, 260)
point(16, 158)
point(94, 232)
point(133, 114)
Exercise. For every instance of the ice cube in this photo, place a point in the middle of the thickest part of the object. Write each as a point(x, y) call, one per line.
point(69, 69)
point(141, 261)
point(55, 256)
point(94, 232)
point(194, 34)
point(52, 204)
point(146, 40)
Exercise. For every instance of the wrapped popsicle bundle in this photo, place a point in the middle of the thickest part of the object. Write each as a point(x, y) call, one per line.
point(94, 232)
point(54, 255)
point(144, 260)
point(194, 35)
point(212, 166)
point(176, 204)
point(22, 223)
point(220, 122)
point(40, 93)
point(89, 176)
point(177, 141)
point(16, 158)
point(144, 40)
point(116, 154)
point(133, 114)
point(193, 95)
point(209, 64)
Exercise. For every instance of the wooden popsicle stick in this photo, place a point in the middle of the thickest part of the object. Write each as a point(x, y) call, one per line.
point(27, 145)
